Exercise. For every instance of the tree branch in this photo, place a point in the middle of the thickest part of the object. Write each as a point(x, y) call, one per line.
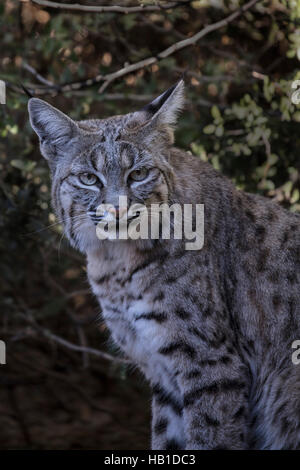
point(74, 347)
point(38, 76)
point(208, 29)
point(129, 68)
point(112, 8)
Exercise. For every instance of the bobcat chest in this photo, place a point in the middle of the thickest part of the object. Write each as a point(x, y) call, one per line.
point(131, 316)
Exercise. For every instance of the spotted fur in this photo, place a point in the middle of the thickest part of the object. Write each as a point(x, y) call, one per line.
point(211, 330)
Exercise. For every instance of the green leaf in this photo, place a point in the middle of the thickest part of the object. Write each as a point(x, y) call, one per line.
point(210, 129)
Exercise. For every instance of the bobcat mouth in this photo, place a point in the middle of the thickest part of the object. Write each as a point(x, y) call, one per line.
point(99, 218)
point(95, 218)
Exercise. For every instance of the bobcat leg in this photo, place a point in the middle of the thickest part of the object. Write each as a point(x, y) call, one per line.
point(276, 410)
point(215, 411)
point(167, 426)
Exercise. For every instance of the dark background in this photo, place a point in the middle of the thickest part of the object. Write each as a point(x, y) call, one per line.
point(239, 117)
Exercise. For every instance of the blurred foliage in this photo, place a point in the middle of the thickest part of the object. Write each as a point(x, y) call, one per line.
point(239, 117)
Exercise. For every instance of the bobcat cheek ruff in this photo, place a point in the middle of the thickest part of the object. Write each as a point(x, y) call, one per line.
point(211, 328)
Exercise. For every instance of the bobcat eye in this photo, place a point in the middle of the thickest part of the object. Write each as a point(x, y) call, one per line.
point(88, 179)
point(139, 175)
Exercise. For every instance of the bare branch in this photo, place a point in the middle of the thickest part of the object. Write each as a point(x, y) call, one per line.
point(107, 79)
point(38, 76)
point(78, 292)
point(208, 29)
point(74, 347)
point(112, 8)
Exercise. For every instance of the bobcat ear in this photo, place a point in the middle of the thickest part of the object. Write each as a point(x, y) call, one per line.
point(165, 108)
point(55, 130)
point(155, 122)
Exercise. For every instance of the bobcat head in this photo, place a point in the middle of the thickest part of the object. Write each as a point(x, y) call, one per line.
point(94, 162)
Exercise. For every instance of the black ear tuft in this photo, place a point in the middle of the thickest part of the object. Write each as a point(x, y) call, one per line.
point(156, 104)
point(165, 108)
point(27, 92)
point(159, 117)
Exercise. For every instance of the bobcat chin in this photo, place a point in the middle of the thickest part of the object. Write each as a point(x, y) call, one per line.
point(212, 329)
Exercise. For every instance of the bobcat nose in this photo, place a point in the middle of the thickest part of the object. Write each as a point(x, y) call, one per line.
point(117, 211)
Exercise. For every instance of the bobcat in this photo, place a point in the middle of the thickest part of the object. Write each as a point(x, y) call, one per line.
point(212, 329)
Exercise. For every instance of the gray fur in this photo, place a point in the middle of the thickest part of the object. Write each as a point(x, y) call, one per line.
point(211, 330)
